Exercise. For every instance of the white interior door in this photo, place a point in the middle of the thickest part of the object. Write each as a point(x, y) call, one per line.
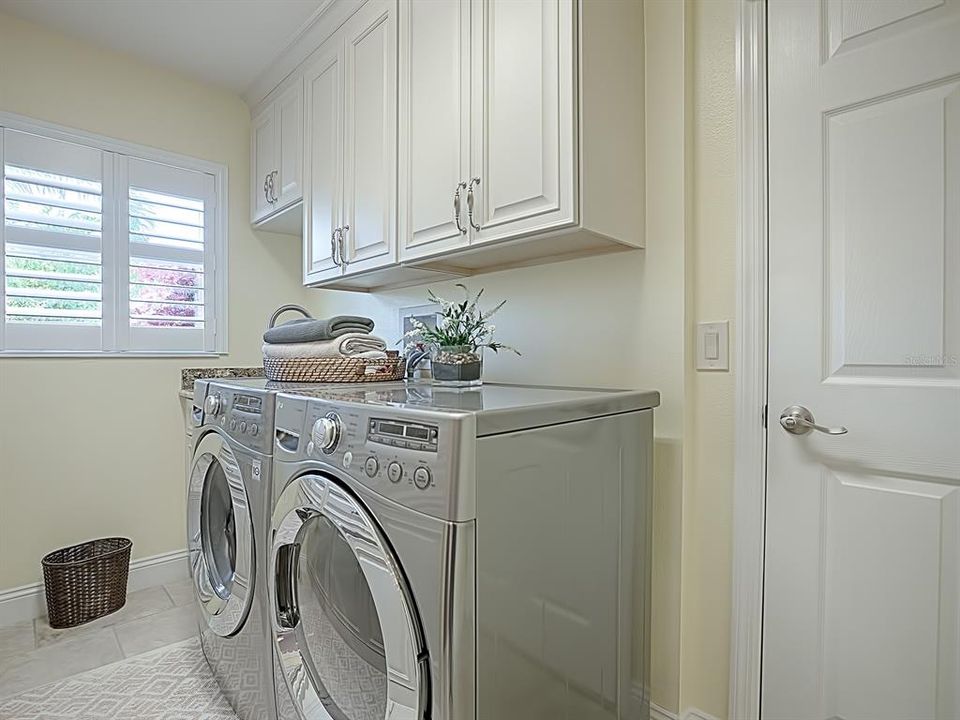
point(321, 206)
point(370, 141)
point(434, 123)
point(862, 577)
point(263, 134)
point(524, 110)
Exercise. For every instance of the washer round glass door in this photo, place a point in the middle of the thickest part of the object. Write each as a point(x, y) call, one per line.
point(349, 639)
point(220, 535)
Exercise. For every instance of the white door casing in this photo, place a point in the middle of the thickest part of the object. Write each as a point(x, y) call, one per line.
point(434, 123)
point(862, 547)
point(322, 177)
point(523, 132)
point(370, 112)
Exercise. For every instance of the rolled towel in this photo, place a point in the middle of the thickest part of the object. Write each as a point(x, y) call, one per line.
point(307, 330)
point(352, 345)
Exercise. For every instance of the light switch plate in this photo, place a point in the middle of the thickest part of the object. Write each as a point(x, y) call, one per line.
point(713, 346)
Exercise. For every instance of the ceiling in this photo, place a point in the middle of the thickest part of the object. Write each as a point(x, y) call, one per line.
point(228, 43)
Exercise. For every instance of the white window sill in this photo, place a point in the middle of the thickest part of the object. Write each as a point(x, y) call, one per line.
point(95, 354)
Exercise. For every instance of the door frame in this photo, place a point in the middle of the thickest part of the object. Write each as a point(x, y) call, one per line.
point(750, 363)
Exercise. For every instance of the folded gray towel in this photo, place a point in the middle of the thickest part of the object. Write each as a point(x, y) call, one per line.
point(303, 330)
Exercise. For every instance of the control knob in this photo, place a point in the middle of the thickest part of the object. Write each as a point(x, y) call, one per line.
point(213, 404)
point(326, 433)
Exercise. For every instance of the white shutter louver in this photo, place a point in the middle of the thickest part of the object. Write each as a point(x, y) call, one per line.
point(53, 225)
point(169, 225)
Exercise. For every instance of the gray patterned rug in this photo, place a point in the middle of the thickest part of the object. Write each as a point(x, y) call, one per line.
point(173, 683)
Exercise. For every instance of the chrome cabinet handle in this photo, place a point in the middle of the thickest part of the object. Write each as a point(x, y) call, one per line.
point(797, 420)
point(335, 246)
point(343, 256)
point(266, 188)
point(473, 181)
point(273, 185)
point(456, 207)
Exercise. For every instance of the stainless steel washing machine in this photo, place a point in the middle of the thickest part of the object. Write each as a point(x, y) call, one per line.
point(228, 496)
point(462, 555)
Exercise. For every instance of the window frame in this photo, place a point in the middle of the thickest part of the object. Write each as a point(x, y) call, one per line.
point(131, 150)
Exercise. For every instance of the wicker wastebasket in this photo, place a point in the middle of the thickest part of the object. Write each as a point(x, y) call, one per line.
point(86, 581)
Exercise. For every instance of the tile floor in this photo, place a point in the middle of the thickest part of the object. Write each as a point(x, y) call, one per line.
point(33, 653)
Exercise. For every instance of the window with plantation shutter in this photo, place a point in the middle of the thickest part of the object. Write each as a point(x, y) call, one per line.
point(107, 248)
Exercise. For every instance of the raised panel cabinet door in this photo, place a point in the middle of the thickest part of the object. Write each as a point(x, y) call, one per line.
point(289, 188)
point(370, 132)
point(523, 158)
point(434, 124)
point(323, 97)
point(263, 134)
point(862, 535)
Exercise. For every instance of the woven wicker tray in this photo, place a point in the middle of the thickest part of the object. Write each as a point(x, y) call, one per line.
point(334, 370)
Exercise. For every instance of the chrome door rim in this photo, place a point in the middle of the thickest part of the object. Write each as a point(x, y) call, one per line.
point(224, 615)
point(313, 495)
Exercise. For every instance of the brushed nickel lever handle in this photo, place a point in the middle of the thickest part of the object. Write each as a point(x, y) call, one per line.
point(473, 181)
point(797, 420)
point(456, 207)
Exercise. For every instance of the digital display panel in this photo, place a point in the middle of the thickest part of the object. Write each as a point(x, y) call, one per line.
point(247, 403)
point(390, 429)
point(417, 432)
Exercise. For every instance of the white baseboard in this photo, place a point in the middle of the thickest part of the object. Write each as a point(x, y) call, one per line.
point(660, 713)
point(27, 602)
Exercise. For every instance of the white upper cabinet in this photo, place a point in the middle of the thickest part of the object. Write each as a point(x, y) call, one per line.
point(450, 137)
point(434, 123)
point(523, 153)
point(370, 138)
point(277, 163)
point(350, 207)
point(321, 207)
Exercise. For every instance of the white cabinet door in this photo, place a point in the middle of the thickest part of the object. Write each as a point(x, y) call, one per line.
point(862, 556)
point(524, 108)
point(289, 154)
point(434, 123)
point(263, 135)
point(323, 98)
point(370, 131)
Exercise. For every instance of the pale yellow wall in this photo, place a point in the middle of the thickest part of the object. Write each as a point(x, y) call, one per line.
point(95, 447)
point(711, 278)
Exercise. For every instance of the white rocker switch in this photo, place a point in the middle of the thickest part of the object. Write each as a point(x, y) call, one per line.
point(713, 343)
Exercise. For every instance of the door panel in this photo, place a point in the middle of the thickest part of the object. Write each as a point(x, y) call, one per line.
point(370, 139)
point(264, 140)
point(861, 582)
point(324, 86)
point(290, 146)
point(523, 116)
point(434, 122)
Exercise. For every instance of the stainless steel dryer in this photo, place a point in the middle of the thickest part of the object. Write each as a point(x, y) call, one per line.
point(462, 555)
point(227, 509)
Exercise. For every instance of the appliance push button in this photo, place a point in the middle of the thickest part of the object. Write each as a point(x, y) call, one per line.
point(371, 466)
point(421, 478)
point(394, 472)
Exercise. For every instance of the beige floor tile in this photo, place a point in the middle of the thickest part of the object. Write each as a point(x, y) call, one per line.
point(16, 639)
point(157, 630)
point(58, 661)
point(180, 592)
point(141, 603)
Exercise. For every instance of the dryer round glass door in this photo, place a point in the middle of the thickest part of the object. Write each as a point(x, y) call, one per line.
point(220, 536)
point(349, 639)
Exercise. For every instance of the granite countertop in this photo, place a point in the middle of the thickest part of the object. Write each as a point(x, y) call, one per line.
point(189, 375)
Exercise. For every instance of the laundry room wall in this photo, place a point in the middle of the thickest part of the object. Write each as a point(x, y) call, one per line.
point(93, 447)
point(613, 321)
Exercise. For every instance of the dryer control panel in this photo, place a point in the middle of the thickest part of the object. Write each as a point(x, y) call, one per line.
point(414, 461)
